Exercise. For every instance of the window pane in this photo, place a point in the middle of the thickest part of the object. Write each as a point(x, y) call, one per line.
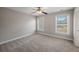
point(62, 24)
point(62, 28)
point(62, 20)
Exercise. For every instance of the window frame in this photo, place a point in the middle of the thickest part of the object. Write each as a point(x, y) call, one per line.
point(68, 24)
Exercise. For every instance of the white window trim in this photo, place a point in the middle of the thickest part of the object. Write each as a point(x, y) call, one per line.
point(68, 24)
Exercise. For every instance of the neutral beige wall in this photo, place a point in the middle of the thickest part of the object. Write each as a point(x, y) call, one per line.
point(49, 23)
point(15, 24)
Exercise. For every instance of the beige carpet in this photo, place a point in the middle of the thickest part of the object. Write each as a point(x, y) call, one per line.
point(39, 43)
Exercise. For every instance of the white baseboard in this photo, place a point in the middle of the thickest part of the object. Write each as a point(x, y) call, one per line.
point(55, 36)
point(3, 42)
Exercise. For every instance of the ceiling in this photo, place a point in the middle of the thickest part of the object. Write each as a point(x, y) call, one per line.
point(30, 10)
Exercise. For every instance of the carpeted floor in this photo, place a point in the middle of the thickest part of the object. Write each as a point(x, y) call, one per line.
point(39, 43)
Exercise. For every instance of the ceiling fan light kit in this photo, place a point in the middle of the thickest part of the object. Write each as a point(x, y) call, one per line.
point(39, 12)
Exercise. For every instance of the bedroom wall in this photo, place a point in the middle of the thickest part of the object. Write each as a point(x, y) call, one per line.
point(49, 24)
point(76, 26)
point(14, 24)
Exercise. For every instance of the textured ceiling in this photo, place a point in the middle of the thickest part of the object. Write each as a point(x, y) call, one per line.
point(30, 10)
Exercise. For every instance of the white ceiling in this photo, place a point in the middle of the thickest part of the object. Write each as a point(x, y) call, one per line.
point(30, 10)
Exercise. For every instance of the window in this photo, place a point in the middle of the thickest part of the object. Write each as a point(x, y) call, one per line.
point(62, 24)
point(40, 24)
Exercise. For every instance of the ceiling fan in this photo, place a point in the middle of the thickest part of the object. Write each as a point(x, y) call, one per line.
point(39, 10)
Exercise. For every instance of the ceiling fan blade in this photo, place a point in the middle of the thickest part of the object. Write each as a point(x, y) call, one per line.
point(45, 12)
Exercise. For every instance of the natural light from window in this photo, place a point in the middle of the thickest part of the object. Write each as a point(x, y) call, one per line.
point(62, 24)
